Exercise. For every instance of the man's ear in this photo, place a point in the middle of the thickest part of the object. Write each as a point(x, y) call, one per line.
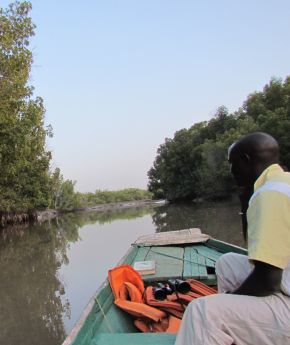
point(245, 157)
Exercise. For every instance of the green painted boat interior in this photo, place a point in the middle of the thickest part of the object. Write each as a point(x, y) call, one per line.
point(108, 325)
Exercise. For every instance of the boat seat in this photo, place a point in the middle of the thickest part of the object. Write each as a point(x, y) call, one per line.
point(133, 339)
point(191, 261)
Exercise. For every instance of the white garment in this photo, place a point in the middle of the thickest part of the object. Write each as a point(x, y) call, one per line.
point(232, 270)
point(226, 319)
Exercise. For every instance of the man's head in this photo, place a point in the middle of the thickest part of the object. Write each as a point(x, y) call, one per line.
point(251, 155)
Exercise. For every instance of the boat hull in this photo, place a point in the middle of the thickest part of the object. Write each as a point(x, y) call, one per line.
point(103, 323)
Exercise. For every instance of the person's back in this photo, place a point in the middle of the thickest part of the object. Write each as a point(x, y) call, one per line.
point(272, 194)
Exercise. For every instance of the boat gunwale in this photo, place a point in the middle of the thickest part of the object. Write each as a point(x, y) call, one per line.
point(211, 241)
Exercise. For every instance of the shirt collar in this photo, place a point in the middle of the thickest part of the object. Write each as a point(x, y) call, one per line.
point(274, 168)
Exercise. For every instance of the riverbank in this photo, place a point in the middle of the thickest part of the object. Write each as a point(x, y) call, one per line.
point(51, 214)
point(11, 219)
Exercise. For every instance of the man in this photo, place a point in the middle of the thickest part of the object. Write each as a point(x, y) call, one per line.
point(253, 304)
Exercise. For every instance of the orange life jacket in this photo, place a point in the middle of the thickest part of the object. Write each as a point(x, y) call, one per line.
point(200, 288)
point(128, 289)
point(176, 303)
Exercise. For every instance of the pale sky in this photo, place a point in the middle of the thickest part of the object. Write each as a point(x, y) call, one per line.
point(118, 77)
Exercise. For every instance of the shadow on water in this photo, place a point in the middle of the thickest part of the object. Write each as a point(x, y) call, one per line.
point(35, 303)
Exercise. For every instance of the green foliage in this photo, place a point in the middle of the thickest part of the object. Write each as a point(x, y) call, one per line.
point(194, 163)
point(26, 183)
point(106, 197)
point(270, 109)
point(67, 199)
point(24, 178)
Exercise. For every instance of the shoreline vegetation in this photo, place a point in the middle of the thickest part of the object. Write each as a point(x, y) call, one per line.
point(67, 200)
point(10, 219)
point(50, 214)
point(193, 164)
point(29, 186)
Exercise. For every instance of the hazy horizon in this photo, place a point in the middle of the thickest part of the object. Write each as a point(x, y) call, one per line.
point(117, 78)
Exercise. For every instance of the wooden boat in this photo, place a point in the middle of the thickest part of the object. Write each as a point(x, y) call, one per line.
point(178, 254)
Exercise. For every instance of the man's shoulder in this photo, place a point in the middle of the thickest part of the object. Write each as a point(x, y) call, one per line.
point(283, 176)
point(280, 180)
point(276, 185)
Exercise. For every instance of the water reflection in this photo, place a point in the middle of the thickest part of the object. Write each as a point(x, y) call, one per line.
point(80, 219)
point(30, 305)
point(101, 245)
point(48, 272)
point(37, 271)
point(220, 220)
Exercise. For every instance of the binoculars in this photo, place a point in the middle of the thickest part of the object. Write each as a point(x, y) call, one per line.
point(161, 290)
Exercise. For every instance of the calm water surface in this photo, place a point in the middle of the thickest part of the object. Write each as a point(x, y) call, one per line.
point(50, 271)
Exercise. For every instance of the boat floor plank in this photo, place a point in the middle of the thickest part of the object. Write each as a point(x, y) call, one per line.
point(194, 265)
point(188, 268)
point(134, 339)
point(208, 252)
point(201, 267)
point(169, 262)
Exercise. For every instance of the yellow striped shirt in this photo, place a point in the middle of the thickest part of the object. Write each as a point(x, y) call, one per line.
point(268, 218)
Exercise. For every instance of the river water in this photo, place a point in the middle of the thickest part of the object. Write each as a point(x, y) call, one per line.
point(50, 271)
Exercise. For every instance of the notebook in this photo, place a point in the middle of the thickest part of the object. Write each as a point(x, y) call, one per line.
point(145, 267)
